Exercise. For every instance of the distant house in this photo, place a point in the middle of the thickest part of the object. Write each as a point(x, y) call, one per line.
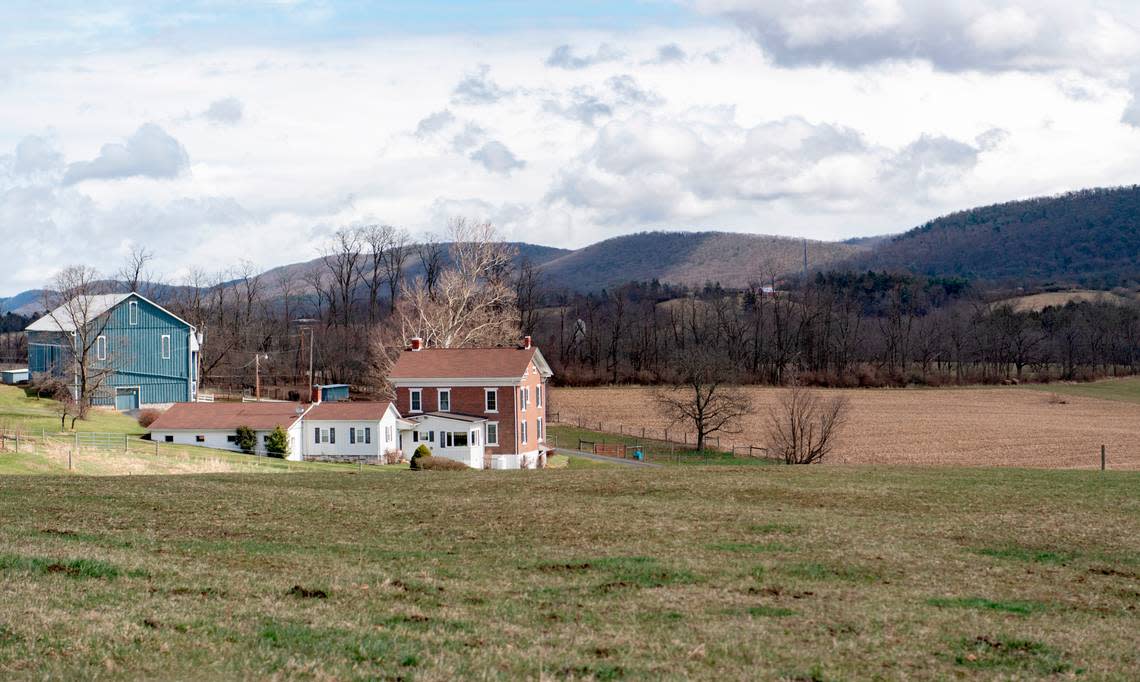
point(214, 425)
point(483, 406)
point(151, 354)
point(325, 431)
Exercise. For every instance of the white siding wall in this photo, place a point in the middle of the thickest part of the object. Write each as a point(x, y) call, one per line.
point(471, 455)
point(219, 439)
point(385, 437)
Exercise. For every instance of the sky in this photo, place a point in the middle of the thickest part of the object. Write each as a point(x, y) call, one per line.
point(214, 133)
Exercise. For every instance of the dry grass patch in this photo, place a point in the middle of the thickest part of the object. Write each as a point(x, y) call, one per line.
point(956, 427)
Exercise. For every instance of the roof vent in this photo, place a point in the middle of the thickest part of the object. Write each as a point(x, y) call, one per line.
point(417, 343)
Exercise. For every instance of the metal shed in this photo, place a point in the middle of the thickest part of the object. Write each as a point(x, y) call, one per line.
point(330, 393)
point(14, 376)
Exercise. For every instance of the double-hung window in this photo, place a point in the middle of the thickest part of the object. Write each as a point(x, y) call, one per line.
point(522, 431)
point(325, 436)
point(491, 400)
point(538, 434)
point(416, 399)
point(166, 346)
point(538, 396)
point(362, 435)
point(492, 433)
point(524, 398)
point(444, 399)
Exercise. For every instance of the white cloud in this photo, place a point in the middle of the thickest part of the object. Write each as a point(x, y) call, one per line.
point(407, 130)
point(982, 34)
point(149, 152)
point(564, 57)
point(228, 111)
point(478, 88)
point(496, 158)
point(650, 169)
point(434, 123)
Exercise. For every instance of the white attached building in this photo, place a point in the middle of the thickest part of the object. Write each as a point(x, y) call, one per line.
point(455, 436)
point(214, 425)
point(346, 430)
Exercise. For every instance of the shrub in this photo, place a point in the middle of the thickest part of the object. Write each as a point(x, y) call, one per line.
point(148, 417)
point(439, 464)
point(246, 439)
point(277, 443)
point(421, 452)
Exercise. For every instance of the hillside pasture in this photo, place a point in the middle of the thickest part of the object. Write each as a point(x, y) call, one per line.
point(1007, 426)
point(774, 573)
point(1038, 302)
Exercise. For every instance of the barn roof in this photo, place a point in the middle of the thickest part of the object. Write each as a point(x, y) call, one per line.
point(346, 411)
point(463, 363)
point(59, 320)
point(215, 416)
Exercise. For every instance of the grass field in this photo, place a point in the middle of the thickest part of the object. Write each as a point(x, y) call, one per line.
point(50, 455)
point(805, 573)
point(32, 415)
point(1008, 426)
point(1125, 390)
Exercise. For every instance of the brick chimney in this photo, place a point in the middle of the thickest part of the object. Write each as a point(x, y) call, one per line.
point(416, 344)
point(526, 342)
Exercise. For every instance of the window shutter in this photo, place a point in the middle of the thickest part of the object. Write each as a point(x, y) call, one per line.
point(317, 436)
point(367, 435)
point(352, 436)
point(332, 436)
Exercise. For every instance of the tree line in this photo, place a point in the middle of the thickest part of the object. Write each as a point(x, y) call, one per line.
point(837, 329)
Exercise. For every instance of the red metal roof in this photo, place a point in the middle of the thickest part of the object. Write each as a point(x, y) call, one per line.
point(215, 416)
point(348, 411)
point(445, 363)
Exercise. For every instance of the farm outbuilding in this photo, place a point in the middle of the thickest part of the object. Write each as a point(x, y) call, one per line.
point(151, 354)
point(14, 376)
point(330, 393)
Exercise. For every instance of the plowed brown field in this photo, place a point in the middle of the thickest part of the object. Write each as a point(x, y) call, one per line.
point(965, 427)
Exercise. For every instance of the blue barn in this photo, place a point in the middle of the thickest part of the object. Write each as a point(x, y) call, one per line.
point(150, 353)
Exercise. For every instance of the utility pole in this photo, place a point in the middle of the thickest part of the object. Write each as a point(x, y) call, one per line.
point(257, 374)
point(307, 323)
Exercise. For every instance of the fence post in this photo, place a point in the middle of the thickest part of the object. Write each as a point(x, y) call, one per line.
point(125, 444)
point(17, 441)
point(1103, 454)
point(69, 460)
point(156, 448)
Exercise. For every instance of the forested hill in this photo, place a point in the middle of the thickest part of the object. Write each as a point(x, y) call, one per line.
point(1090, 237)
point(690, 258)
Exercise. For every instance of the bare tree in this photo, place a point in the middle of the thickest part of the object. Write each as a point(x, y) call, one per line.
point(393, 260)
point(702, 395)
point(80, 314)
point(802, 426)
point(528, 290)
point(378, 239)
point(474, 303)
point(134, 271)
point(65, 406)
point(431, 252)
point(340, 258)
